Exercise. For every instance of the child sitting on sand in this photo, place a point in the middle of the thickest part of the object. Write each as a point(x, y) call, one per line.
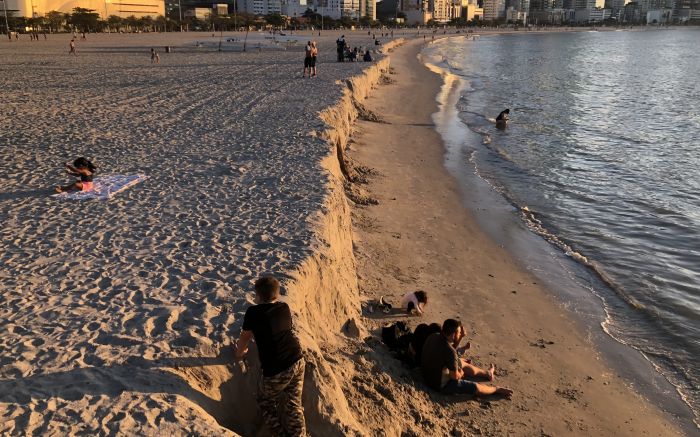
point(415, 302)
point(82, 168)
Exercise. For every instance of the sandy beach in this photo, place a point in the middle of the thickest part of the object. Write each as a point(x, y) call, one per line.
point(118, 316)
point(115, 313)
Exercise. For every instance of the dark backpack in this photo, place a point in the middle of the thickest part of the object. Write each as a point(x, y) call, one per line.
point(397, 335)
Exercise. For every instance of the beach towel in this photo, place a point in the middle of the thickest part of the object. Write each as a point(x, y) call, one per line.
point(104, 187)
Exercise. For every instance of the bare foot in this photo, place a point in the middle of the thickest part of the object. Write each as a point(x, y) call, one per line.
point(492, 371)
point(505, 392)
point(58, 189)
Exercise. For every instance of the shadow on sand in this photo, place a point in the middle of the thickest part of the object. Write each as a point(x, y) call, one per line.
point(16, 195)
point(136, 374)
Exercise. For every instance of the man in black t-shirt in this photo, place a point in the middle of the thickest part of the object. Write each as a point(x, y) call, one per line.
point(270, 323)
point(443, 369)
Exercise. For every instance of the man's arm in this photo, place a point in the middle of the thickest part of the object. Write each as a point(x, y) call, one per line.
point(242, 344)
point(458, 338)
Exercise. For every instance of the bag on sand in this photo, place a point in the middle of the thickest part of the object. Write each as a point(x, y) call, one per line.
point(396, 335)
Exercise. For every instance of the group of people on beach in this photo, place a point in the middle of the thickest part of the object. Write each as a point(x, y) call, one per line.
point(352, 55)
point(269, 323)
point(310, 56)
point(435, 349)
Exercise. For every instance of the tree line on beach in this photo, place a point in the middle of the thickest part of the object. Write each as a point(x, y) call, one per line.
point(88, 20)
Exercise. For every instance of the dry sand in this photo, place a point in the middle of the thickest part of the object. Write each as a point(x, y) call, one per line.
point(118, 316)
point(115, 314)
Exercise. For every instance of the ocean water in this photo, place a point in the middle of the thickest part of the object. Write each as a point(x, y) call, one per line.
point(601, 158)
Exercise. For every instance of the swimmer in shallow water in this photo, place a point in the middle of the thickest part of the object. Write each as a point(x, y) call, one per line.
point(502, 119)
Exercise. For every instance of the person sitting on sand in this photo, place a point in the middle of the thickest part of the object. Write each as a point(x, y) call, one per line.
point(367, 57)
point(443, 369)
point(270, 323)
point(503, 116)
point(469, 369)
point(82, 168)
point(420, 334)
point(415, 302)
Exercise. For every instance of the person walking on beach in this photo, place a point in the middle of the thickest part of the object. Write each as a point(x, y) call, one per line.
point(443, 369)
point(155, 58)
point(270, 323)
point(72, 47)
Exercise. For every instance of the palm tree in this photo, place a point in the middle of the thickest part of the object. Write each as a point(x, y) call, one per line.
point(161, 22)
point(115, 22)
point(146, 22)
point(56, 20)
point(131, 22)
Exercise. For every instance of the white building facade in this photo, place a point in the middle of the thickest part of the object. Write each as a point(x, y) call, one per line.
point(263, 7)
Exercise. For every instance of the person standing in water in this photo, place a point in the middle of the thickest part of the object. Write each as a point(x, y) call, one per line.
point(503, 116)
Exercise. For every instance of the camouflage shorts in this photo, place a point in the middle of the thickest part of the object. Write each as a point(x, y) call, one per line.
point(287, 387)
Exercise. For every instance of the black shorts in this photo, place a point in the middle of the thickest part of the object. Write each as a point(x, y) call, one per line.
point(313, 61)
point(307, 61)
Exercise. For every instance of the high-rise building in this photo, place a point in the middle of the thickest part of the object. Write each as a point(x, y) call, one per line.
point(494, 9)
point(121, 8)
point(630, 13)
point(685, 10)
point(440, 10)
point(263, 7)
point(294, 8)
point(615, 7)
point(368, 8)
point(583, 4)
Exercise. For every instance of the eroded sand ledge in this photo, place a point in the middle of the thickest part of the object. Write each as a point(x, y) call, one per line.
point(323, 292)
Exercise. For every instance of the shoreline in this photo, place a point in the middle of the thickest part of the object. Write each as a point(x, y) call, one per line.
point(552, 316)
point(578, 285)
point(573, 283)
